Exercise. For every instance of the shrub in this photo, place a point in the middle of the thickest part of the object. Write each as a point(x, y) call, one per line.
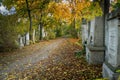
point(8, 33)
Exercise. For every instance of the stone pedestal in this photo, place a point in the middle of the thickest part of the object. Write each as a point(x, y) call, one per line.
point(94, 47)
point(112, 59)
point(95, 55)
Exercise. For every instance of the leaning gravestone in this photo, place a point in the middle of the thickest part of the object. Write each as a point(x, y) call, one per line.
point(112, 61)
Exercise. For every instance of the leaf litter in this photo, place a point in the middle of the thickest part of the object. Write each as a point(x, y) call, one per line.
point(62, 64)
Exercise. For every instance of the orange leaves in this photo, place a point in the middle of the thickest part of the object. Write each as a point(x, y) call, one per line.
point(20, 1)
point(78, 7)
point(59, 10)
point(60, 65)
point(64, 11)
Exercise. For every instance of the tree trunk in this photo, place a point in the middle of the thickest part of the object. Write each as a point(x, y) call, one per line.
point(41, 27)
point(104, 4)
point(74, 29)
point(30, 19)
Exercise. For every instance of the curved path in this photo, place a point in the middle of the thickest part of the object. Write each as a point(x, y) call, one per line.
point(27, 57)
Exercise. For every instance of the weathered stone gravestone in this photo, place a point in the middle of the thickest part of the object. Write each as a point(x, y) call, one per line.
point(34, 39)
point(112, 59)
point(43, 32)
point(23, 39)
point(95, 43)
point(113, 46)
point(20, 41)
point(27, 38)
point(84, 33)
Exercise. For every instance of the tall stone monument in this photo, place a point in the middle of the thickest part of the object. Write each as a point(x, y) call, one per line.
point(95, 44)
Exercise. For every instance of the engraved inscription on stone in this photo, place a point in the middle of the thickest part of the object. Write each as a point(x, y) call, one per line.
point(113, 41)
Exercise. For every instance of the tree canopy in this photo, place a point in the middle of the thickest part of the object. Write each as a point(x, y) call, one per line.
point(56, 17)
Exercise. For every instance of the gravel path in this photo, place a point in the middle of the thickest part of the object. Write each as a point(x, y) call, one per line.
point(27, 57)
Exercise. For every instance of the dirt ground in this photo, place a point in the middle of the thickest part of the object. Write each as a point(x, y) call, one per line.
point(48, 60)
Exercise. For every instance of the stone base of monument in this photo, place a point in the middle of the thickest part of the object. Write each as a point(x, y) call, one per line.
point(95, 55)
point(109, 72)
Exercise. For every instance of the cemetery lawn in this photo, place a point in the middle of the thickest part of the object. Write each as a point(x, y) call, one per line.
point(48, 60)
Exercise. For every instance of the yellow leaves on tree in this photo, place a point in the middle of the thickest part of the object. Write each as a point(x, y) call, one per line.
point(59, 10)
point(67, 10)
point(92, 11)
point(77, 8)
point(71, 11)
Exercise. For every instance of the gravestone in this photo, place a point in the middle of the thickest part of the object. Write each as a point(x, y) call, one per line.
point(23, 38)
point(34, 36)
point(84, 33)
point(112, 59)
point(27, 38)
point(21, 44)
point(95, 48)
point(43, 33)
point(113, 44)
point(91, 32)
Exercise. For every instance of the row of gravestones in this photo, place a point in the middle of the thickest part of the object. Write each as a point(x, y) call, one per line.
point(25, 39)
point(103, 44)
